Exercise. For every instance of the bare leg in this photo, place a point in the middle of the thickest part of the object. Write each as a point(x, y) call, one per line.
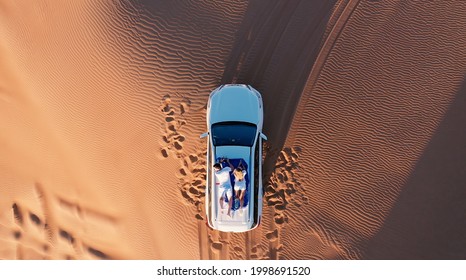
point(241, 199)
point(221, 202)
point(230, 202)
point(237, 195)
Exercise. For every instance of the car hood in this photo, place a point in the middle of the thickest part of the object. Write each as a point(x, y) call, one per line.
point(234, 103)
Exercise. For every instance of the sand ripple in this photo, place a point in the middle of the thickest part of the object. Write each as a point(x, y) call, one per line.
point(367, 118)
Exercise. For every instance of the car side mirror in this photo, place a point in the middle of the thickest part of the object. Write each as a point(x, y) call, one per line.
point(203, 135)
point(263, 136)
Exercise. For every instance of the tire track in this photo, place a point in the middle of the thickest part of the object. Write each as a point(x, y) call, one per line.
point(278, 191)
point(383, 85)
point(259, 59)
point(339, 18)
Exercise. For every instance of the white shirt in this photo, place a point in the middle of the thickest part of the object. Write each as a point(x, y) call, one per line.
point(222, 177)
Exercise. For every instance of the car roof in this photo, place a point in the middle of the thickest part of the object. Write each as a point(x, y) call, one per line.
point(235, 103)
point(238, 219)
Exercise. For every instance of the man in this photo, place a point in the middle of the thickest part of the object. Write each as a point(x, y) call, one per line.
point(222, 181)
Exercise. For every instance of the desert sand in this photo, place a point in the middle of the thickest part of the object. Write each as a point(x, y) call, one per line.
point(102, 105)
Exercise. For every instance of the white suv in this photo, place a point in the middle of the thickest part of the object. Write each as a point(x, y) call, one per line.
point(234, 121)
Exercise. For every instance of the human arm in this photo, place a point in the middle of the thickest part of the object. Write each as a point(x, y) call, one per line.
point(229, 163)
point(240, 165)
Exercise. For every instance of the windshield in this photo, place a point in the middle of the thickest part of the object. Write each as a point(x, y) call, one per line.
point(233, 134)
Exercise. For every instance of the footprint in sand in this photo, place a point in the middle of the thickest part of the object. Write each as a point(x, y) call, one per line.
point(192, 171)
point(272, 235)
point(67, 236)
point(36, 220)
point(174, 120)
point(192, 177)
point(102, 225)
point(46, 234)
point(29, 233)
point(279, 193)
point(96, 253)
point(164, 152)
point(17, 214)
point(282, 186)
point(216, 246)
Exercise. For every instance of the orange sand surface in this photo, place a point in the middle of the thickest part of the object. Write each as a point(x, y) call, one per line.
point(102, 105)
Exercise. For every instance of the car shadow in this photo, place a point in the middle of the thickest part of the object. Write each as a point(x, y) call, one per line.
point(275, 49)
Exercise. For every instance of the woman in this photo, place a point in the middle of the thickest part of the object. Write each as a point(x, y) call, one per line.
point(240, 182)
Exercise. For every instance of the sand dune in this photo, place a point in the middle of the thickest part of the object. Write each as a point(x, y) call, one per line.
point(102, 105)
point(369, 116)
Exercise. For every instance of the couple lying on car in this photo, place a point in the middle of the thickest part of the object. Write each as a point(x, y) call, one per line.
point(222, 181)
